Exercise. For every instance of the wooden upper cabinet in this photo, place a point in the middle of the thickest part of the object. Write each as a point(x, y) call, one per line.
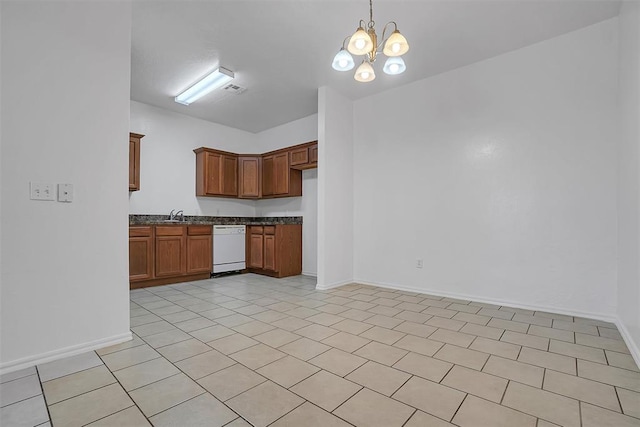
point(299, 156)
point(278, 179)
point(134, 161)
point(216, 173)
point(268, 176)
point(273, 174)
point(304, 156)
point(249, 177)
point(281, 173)
point(313, 154)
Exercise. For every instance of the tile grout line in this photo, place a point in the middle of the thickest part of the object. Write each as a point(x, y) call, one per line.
point(123, 389)
point(44, 397)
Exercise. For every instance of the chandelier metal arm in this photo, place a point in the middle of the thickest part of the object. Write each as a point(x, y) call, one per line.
point(384, 31)
point(344, 41)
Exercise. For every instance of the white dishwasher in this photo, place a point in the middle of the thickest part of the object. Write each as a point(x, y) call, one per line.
point(229, 248)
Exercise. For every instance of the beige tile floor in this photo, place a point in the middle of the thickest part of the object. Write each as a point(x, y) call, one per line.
point(251, 350)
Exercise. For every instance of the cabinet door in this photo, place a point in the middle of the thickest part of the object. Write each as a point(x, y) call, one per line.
point(249, 177)
point(313, 154)
point(134, 162)
point(170, 256)
point(281, 173)
point(299, 156)
point(256, 253)
point(229, 175)
point(199, 256)
point(268, 176)
point(140, 258)
point(213, 177)
point(270, 252)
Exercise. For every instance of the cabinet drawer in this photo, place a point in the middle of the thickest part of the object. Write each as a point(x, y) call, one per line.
point(299, 156)
point(256, 229)
point(199, 230)
point(140, 231)
point(175, 230)
point(270, 229)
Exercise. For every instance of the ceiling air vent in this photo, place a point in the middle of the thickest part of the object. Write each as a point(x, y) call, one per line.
point(232, 88)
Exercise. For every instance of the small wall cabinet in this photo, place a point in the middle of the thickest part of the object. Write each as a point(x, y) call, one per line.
point(304, 157)
point(162, 254)
point(275, 250)
point(134, 161)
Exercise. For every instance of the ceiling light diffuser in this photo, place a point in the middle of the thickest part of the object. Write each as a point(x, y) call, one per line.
point(360, 42)
point(394, 65)
point(216, 79)
point(343, 61)
point(365, 73)
point(396, 45)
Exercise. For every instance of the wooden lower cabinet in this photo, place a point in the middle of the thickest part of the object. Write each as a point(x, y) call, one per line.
point(199, 246)
point(255, 256)
point(140, 253)
point(275, 250)
point(159, 255)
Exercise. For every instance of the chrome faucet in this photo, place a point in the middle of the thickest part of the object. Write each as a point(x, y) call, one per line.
point(171, 216)
point(181, 213)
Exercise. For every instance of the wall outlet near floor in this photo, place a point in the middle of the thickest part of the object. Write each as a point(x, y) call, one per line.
point(40, 191)
point(419, 263)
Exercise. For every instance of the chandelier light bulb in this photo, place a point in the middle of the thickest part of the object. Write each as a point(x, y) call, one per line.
point(394, 65)
point(360, 42)
point(343, 61)
point(396, 45)
point(365, 72)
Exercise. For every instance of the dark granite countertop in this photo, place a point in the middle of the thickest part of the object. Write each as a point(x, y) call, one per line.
point(137, 219)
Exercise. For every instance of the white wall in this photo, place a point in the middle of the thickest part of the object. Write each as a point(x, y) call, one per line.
point(500, 175)
point(335, 189)
point(65, 119)
point(629, 176)
point(293, 133)
point(168, 163)
point(288, 134)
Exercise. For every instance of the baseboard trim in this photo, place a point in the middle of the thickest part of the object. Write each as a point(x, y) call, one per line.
point(631, 344)
point(333, 285)
point(38, 359)
point(309, 273)
point(591, 315)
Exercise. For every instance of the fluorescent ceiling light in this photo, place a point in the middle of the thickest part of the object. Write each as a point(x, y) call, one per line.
point(218, 78)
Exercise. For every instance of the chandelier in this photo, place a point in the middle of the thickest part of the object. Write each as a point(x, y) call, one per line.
point(365, 42)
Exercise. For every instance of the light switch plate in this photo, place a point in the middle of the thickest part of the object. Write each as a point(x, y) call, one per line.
point(40, 191)
point(65, 193)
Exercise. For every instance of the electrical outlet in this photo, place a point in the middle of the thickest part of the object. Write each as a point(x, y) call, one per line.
point(419, 263)
point(41, 191)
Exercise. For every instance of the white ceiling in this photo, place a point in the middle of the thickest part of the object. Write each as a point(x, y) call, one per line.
point(281, 51)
